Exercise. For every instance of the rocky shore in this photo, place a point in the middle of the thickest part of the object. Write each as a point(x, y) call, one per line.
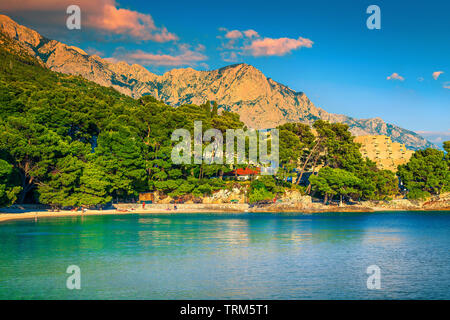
point(303, 204)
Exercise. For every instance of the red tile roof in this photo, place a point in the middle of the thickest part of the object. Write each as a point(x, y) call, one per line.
point(246, 171)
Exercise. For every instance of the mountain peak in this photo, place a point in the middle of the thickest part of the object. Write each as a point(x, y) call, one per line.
point(239, 66)
point(80, 51)
point(181, 71)
point(20, 33)
point(7, 20)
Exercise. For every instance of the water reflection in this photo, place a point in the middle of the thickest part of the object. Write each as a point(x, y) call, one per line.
point(239, 256)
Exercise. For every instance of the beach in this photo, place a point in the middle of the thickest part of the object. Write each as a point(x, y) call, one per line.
point(68, 213)
point(22, 212)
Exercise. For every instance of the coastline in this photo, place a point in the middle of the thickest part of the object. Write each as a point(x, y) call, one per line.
point(211, 208)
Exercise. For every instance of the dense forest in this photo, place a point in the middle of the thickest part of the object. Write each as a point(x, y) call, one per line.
point(65, 141)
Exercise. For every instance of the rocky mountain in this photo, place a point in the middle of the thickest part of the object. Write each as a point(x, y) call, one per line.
point(260, 101)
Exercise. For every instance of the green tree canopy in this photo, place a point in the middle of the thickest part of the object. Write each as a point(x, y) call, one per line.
point(335, 181)
point(8, 191)
point(427, 173)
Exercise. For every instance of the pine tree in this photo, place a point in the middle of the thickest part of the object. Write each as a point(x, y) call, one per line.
point(215, 109)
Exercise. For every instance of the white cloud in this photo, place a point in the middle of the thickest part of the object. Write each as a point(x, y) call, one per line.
point(276, 47)
point(249, 43)
point(105, 16)
point(395, 76)
point(436, 74)
point(183, 56)
point(233, 34)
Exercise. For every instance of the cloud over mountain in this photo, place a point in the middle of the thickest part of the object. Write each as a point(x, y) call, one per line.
point(233, 34)
point(103, 15)
point(250, 43)
point(276, 47)
point(184, 57)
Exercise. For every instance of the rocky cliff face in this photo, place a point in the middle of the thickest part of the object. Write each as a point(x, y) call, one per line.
point(260, 101)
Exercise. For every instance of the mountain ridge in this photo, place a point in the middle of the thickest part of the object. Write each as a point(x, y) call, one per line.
point(260, 101)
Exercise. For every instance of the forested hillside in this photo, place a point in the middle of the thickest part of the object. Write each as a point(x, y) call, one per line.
point(52, 123)
point(65, 141)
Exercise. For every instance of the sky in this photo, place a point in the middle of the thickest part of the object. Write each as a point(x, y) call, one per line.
point(400, 72)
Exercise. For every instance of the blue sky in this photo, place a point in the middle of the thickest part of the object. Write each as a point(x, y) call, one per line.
point(322, 48)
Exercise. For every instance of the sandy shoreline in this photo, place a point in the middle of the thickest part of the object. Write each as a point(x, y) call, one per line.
point(48, 214)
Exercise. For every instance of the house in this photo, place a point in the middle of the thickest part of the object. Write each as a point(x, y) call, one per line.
point(146, 197)
point(244, 173)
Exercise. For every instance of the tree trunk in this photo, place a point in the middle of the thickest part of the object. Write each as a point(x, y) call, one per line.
point(331, 198)
point(308, 189)
point(26, 187)
point(299, 177)
point(315, 163)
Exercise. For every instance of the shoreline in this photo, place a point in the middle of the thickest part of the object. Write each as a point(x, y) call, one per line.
point(5, 216)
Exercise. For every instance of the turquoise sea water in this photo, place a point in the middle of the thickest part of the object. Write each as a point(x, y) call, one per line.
point(228, 256)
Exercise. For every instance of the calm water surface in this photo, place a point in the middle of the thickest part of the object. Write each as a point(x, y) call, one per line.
point(228, 256)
